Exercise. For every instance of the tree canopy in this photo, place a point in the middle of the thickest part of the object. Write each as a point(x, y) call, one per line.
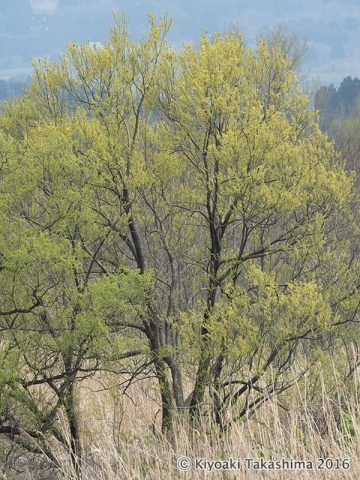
point(168, 213)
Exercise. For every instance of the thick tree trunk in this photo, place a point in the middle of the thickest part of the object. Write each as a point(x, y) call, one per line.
point(177, 385)
point(74, 430)
point(202, 380)
point(167, 403)
point(203, 376)
point(153, 333)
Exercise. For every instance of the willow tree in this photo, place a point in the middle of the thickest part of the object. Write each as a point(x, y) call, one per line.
point(266, 200)
point(57, 299)
point(187, 210)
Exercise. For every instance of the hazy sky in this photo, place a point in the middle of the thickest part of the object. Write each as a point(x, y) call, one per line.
point(332, 28)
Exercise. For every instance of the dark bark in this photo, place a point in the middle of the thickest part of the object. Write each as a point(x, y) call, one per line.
point(74, 430)
point(176, 382)
point(167, 404)
point(217, 403)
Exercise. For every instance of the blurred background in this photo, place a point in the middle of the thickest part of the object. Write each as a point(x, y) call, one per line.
point(33, 28)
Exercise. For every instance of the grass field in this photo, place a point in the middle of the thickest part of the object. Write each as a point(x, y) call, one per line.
point(121, 440)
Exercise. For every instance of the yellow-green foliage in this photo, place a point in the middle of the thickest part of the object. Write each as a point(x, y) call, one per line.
point(180, 202)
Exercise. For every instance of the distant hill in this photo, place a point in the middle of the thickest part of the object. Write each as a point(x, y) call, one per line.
point(338, 103)
point(339, 111)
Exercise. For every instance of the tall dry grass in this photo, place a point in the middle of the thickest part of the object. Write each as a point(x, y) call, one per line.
point(121, 438)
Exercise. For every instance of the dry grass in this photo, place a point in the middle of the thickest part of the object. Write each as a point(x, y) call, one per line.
point(122, 440)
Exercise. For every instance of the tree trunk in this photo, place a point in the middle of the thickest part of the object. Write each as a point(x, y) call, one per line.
point(203, 372)
point(74, 429)
point(167, 403)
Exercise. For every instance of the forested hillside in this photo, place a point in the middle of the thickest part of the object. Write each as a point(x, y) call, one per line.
point(339, 111)
point(179, 264)
point(337, 103)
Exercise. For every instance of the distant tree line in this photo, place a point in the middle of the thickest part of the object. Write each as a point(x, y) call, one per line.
point(334, 103)
point(339, 114)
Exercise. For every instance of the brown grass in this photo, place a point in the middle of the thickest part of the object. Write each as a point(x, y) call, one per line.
point(122, 439)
